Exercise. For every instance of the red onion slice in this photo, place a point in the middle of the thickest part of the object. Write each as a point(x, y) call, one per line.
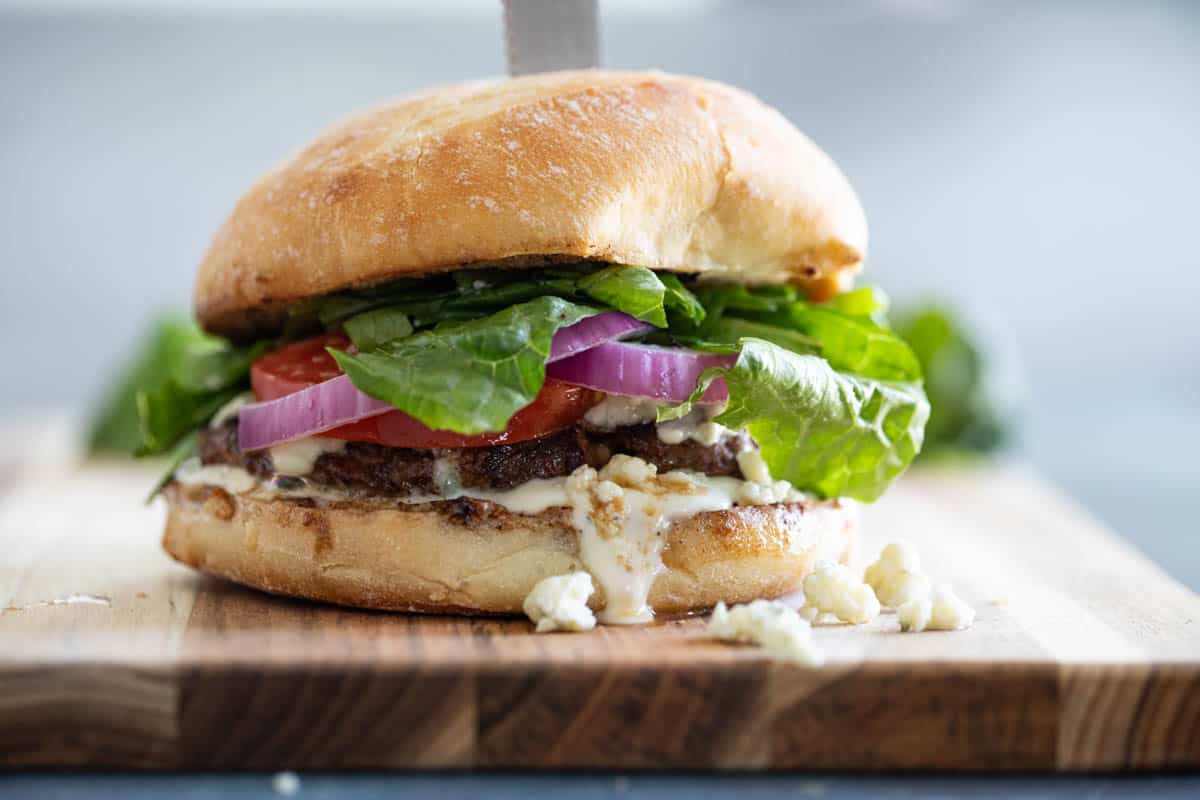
point(338, 402)
point(319, 408)
point(641, 370)
point(587, 333)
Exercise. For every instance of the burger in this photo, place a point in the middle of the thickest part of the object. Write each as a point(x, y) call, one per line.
point(572, 323)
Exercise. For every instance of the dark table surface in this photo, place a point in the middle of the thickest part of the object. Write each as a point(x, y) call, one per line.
point(520, 786)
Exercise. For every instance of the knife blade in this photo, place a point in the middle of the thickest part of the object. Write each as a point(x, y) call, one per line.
point(547, 35)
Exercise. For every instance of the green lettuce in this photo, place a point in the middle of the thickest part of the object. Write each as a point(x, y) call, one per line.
point(856, 344)
point(196, 375)
point(372, 329)
point(972, 406)
point(471, 294)
point(683, 306)
point(635, 290)
point(849, 335)
point(730, 331)
point(467, 377)
point(824, 431)
point(169, 413)
point(866, 301)
point(115, 427)
point(832, 395)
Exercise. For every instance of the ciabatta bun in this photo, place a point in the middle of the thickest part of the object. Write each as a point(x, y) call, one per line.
point(648, 169)
point(475, 557)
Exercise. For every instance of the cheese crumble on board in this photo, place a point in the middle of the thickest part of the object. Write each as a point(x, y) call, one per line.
point(559, 603)
point(940, 610)
point(897, 577)
point(772, 625)
point(901, 584)
point(832, 590)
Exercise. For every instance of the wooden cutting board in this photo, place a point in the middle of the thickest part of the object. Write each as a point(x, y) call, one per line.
point(1084, 656)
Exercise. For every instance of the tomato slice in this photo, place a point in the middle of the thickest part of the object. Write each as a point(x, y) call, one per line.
point(302, 364)
point(296, 366)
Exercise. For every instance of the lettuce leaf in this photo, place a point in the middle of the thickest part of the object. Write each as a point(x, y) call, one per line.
point(114, 428)
point(374, 328)
point(471, 294)
point(170, 412)
point(635, 290)
point(973, 404)
point(204, 373)
point(209, 364)
point(856, 344)
point(849, 331)
point(414, 297)
point(866, 301)
point(682, 305)
point(732, 330)
point(824, 431)
point(491, 296)
point(469, 377)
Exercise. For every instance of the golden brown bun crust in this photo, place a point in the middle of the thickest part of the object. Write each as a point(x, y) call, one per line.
point(648, 169)
point(475, 557)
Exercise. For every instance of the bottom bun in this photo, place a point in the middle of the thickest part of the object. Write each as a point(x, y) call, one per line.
point(475, 557)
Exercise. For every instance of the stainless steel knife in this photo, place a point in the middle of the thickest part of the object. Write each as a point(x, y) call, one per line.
point(546, 35)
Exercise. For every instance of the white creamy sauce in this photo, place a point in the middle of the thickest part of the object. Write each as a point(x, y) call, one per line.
point(300, 456)
point(619, 543)
point(615, 411)
point(753, 466)
point(445, 477)
point(231, 409)
point(622, 514)
point(703, 431)
point(234, 480)
point(531, 497)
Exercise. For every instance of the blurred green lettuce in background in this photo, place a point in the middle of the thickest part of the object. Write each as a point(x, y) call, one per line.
point(114, 428)
point(972, 399)
point(178, 379)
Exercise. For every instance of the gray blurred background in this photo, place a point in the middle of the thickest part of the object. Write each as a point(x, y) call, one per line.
point(1035, 162)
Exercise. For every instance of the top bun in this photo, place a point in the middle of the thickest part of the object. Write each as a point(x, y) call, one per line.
point(648, 169)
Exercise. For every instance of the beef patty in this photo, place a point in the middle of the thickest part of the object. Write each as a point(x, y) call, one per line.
point(402, 471)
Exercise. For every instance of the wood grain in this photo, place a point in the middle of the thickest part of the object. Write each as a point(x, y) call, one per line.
point(1085, 656)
